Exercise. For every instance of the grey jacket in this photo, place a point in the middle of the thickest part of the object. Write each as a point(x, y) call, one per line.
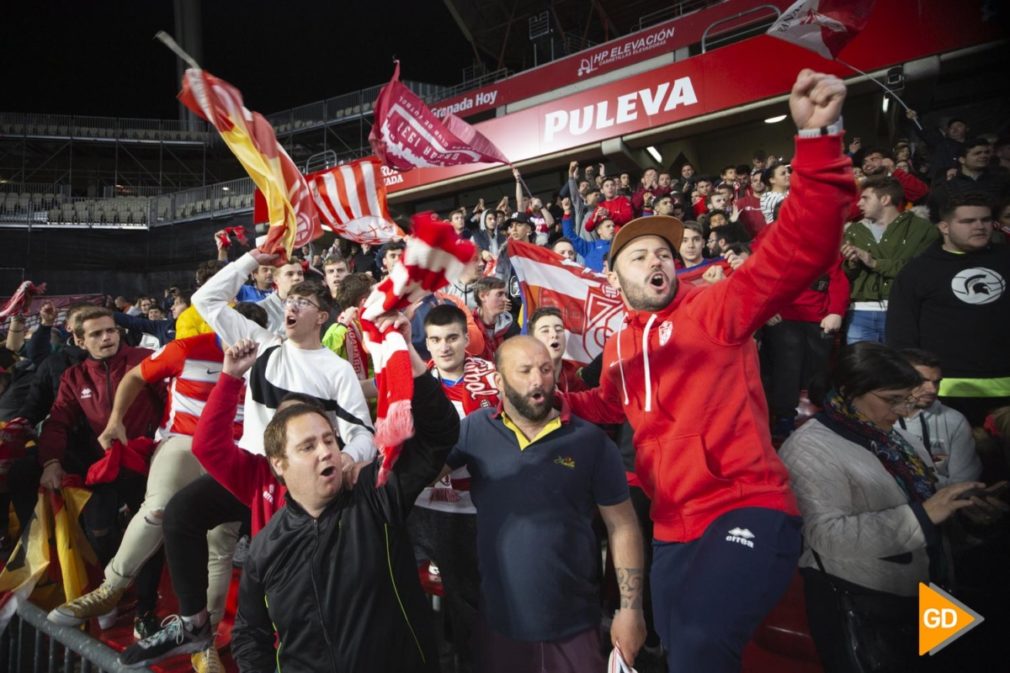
point(854, 513)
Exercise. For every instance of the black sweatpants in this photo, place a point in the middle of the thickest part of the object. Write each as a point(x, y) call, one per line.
point(192, 512)
point(798, 352)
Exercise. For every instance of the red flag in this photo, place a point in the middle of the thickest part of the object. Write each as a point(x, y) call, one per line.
point(591, 309)
point(434, 254)
point(407, 134)
point(823, 26)
point(293, 219)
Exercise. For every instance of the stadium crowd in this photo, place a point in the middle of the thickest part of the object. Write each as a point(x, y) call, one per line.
point(813, 373)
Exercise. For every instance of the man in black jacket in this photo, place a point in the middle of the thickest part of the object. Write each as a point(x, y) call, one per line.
point(333, 574)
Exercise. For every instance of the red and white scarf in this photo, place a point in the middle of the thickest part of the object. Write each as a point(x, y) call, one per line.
point(434, 255)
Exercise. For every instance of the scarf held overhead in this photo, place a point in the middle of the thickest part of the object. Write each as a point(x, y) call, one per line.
point(435, 254)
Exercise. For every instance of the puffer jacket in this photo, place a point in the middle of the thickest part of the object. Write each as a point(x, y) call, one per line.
point(855, 515)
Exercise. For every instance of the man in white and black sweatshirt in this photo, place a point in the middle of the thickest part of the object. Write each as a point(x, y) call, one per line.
point(953, 301)
point(298, 363)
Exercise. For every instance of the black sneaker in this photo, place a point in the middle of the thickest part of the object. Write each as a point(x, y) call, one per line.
point(175, 637)
point(146, 625)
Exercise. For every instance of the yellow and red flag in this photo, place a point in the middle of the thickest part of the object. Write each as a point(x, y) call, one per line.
point(292, 214)
point(51, 560)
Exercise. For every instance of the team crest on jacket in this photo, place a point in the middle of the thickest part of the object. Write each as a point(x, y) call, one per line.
point(665, 332)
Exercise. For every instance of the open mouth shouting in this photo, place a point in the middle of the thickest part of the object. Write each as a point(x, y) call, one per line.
point(658, 280)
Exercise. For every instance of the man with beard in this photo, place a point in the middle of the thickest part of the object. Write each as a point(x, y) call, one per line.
point(537, 474)
point(944, 431)
point(684, 372)
point(880, 162)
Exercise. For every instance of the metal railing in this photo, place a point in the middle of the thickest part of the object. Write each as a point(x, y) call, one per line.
point(753, 24)
point(674, 10)
point(44, 125)
point(128, 212)
point(32, 644)
point(345, 107)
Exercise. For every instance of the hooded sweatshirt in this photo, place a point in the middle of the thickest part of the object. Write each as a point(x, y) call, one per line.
point(957, 307)
point(687, 377)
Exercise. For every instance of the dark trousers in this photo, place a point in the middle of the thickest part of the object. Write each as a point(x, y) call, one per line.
point(497, 653)
point(450, 541)
point(798, 352)
point(192, 512)
point(710, 594)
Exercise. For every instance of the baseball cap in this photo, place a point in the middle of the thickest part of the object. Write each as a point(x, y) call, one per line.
point(668, 228)
point(521, 218)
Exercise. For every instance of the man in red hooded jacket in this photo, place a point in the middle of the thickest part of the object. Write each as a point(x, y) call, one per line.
point(684, 372)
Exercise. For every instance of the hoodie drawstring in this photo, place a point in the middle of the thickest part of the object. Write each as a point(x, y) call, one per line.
point(620, 366)
point(645, 357)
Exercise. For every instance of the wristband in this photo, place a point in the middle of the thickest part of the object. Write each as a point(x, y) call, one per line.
point(832, 129)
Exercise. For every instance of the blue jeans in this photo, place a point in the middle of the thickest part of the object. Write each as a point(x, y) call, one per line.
point(708, 595)
point(866, 326)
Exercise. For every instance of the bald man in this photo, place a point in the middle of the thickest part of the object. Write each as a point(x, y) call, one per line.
point(536, 476)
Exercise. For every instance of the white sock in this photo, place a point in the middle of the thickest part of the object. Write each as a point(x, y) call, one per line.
point(196, 621)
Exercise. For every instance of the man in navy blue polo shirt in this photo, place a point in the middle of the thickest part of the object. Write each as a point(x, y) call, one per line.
point(536, 476)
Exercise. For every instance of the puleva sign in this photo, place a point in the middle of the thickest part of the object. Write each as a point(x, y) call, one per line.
point(663, 97)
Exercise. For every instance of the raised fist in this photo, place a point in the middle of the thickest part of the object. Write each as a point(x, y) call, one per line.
point(816, 99)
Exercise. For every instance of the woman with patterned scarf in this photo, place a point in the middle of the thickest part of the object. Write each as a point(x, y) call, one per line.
point(871, 515)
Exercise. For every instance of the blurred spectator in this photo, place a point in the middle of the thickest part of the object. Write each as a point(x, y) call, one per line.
point(945, 432)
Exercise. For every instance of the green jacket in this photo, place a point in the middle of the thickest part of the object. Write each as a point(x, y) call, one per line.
point(906, 237)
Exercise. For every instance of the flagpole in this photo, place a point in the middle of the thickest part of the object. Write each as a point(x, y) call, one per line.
point(167, 40)
point(883, 86)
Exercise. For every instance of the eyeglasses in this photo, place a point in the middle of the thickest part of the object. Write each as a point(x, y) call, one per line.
point(299, 303)
point(904, 404)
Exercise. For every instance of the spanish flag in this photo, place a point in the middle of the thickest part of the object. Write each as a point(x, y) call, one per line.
point(51, 560)
point(293, 218)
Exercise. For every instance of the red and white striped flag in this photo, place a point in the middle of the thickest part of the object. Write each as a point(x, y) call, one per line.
point(823, 26)
point(434, 254)
point(591, 309)
point(351, 200)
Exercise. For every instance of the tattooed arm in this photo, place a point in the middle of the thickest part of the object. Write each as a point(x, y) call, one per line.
point(625, 544)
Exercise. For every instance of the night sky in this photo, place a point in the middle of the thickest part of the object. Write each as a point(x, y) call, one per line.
point(100, 58)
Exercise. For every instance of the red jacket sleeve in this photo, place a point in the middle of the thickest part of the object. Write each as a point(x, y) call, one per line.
point(66, 412)
point(838, 289)
point(915, 189)
point(215, 447)
point(802, 245)
point(603, 404)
